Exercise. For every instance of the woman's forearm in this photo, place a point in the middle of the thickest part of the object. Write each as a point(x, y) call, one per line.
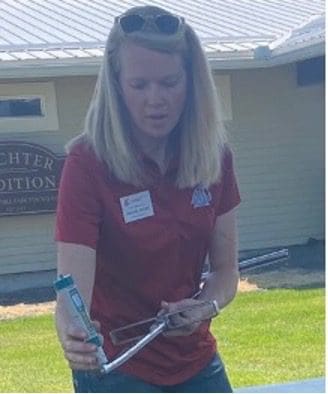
point(220, 286)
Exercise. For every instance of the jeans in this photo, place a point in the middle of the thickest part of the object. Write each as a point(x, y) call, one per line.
point(211, 379)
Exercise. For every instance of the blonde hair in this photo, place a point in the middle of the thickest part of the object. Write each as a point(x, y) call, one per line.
point(200, 130)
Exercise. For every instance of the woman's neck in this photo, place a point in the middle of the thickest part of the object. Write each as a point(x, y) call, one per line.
point(155, 149)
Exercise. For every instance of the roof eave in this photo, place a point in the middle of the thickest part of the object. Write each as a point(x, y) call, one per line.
point(50, 68)
point(218, 61)
point(269, 58)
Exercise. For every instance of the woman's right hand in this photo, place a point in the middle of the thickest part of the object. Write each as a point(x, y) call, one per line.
point(80, 262)
point(79, 354)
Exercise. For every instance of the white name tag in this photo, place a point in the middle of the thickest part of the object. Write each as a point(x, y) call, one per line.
point(136, 206)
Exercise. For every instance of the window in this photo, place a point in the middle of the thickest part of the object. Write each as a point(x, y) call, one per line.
point(28, 107)
point(14, 108)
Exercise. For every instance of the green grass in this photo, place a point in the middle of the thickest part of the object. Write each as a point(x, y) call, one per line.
point(31, 359)
point(264, 337)
point(273, 336)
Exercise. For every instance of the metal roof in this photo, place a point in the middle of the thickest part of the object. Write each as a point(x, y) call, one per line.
point(234, 33)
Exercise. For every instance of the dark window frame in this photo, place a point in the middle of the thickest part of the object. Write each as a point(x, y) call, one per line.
point(19, 107)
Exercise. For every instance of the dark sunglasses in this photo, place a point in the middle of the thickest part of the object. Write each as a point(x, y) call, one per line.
point(165, 24)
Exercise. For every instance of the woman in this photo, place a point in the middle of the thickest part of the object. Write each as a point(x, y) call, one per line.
point(147, 192)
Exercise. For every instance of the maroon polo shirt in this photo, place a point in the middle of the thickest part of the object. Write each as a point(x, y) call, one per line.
point(149, 249)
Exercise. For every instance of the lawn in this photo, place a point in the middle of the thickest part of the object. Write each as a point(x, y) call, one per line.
point(264, 337)
point(273, 336)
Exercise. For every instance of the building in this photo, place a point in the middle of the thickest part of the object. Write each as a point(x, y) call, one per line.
point(267, 58)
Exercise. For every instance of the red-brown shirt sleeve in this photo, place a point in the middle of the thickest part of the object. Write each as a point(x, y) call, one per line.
point(228, 196)
point(79, 209)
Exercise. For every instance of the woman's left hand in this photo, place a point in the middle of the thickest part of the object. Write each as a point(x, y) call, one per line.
point(193, 312)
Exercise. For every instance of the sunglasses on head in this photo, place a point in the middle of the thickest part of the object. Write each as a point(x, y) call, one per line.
point(165, 24)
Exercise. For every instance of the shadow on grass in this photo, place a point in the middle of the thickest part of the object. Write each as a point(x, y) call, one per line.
point(29, 296)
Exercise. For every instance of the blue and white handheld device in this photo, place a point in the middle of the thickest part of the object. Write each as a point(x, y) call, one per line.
point(65, 286)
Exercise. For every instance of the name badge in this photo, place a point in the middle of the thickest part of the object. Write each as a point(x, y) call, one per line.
point(136, 206)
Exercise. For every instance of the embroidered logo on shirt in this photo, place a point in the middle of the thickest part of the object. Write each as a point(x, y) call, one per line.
point(136, 206)
point(201, 197)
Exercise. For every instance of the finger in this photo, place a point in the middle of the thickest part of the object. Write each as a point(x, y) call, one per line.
point(177, 320)
point(161, 312)
point(183, 305)
point(79, 346)
point(182, 329)
point(180, 332)
point(166, 306)
point(88, 361)
point(82, 367)
point(175, 306)
point(76, 332)
point(96, 325)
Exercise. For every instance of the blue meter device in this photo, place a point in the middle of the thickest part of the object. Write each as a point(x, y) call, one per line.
point(75, 305)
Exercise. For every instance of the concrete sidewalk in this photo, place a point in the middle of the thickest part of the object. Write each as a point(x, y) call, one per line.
point(303, 386)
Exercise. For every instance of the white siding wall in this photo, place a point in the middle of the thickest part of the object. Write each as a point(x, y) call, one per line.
point(26, 242)
point(277, 133)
